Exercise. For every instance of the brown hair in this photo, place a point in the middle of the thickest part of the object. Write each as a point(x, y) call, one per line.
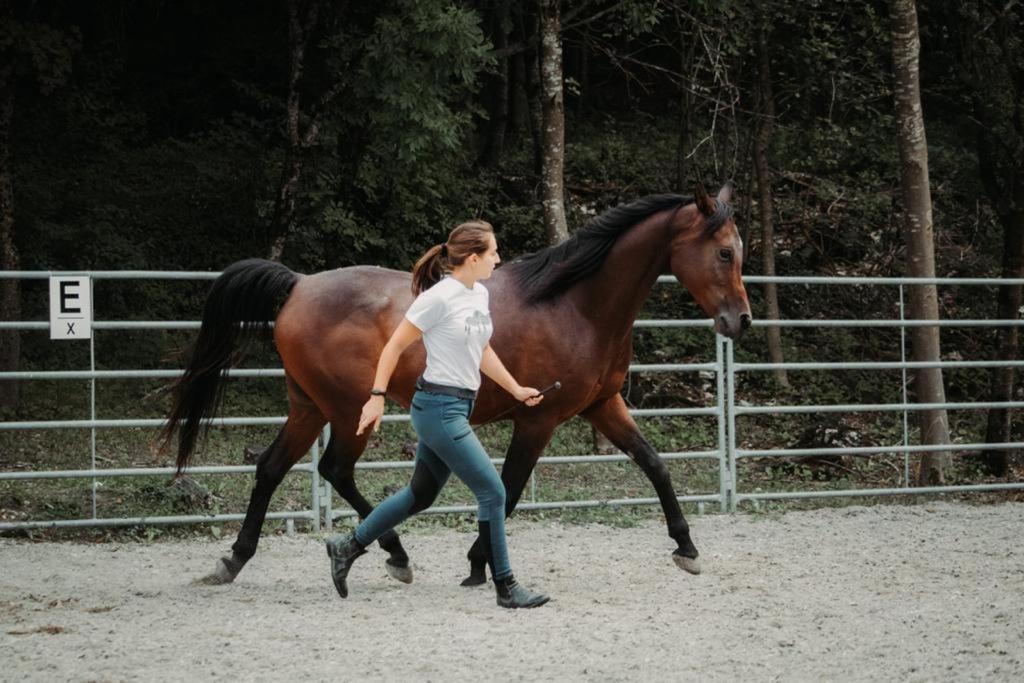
point(465, 240)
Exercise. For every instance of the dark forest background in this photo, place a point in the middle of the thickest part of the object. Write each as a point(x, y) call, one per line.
point(155, 134)
point(186, 135)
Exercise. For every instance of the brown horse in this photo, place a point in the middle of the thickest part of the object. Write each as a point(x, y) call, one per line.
point(564, 313)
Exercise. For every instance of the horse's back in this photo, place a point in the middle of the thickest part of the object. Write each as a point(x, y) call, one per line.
point(334, 324)
point(355, 295)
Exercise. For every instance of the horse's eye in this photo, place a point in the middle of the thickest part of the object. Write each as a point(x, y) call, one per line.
point(725, 254)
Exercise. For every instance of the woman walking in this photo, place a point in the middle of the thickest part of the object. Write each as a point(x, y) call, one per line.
point(452, 316)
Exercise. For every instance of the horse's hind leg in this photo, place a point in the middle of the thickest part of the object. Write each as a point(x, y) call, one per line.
point(611, 417)
point(292, 442)
point(338, 467)
point(528, 442)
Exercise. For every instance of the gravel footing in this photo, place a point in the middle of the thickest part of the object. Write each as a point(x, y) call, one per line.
point(925, 592)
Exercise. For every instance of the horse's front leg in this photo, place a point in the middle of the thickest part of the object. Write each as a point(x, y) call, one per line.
point(529, 438)
point(611, 417)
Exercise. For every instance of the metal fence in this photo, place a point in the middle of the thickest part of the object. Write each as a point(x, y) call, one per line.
point(733, 410)
point(726, 409)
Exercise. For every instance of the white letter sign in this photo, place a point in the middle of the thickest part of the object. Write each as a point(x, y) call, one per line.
point(70, 308)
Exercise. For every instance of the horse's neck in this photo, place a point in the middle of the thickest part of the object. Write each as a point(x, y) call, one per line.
point(613, 295)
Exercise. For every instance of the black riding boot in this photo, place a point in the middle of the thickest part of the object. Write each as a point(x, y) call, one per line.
point(343, 551)
point(510, 593)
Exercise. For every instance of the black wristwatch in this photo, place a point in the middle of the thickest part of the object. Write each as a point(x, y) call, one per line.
point(378, 392)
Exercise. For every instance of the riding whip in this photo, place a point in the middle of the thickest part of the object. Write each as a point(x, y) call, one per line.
point(555, 386)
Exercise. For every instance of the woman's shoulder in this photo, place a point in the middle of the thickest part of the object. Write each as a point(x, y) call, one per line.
point(434, 296)
point(442, 289)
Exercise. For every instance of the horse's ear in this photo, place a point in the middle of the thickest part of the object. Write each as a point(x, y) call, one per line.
point(725, 194)
point(704, 203)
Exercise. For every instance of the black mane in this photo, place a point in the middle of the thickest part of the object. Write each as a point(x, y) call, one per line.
point(546, 273)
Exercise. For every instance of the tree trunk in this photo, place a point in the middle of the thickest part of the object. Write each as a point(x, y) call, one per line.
point(284, 203)
point(918, 233)
point(764, 187)
point(687, 52)
point(747, 178)
point(584, 72)
point(10, 300)
point(518, 109)
point(1008, 308)
point(1001, 166)
point(531, 86)
point(498, 89)
point(746, 203)
point(302, 18)
point(553, 111)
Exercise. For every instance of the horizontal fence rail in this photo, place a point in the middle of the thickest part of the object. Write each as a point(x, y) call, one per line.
point(726, 410)
point(273, 372)
point(306, 467)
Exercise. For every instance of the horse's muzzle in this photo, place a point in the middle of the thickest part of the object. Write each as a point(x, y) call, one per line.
point(732, 326)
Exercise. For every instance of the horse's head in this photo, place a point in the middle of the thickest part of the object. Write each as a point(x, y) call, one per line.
point(707, 258)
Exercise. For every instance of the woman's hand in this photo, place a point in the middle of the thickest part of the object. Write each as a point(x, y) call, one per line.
point(373, 410)
point(528, 395)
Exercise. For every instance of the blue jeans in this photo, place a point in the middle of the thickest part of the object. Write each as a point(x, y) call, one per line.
point(446, 444)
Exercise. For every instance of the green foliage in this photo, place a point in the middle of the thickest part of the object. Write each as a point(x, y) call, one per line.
point(35, 52)
point(407, 76)
point(420, 60)
point(639, 18)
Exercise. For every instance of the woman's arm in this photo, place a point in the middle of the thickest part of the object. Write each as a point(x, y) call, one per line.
point(492, 366)
point(402, 337)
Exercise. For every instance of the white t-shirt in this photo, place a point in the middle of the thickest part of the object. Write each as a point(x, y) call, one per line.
point(456, 326)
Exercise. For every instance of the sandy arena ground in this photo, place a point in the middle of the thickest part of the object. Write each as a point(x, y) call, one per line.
point(929, 592)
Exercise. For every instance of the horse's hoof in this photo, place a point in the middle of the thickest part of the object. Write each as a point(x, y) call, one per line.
point(403, 574)
point(687, 564)
point(474, 579)
point(221, 575)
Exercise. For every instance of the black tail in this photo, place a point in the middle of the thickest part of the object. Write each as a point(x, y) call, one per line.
point(242, 303)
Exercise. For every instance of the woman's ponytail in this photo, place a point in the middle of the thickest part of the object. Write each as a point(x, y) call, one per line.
point(429, 270)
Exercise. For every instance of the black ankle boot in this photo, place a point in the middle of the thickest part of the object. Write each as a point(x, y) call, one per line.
point(343, 551)
point(512, 595)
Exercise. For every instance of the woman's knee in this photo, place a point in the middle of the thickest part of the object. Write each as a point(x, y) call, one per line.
point(492, 494)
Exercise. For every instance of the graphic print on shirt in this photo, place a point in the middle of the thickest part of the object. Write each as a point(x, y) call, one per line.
point(478, 323)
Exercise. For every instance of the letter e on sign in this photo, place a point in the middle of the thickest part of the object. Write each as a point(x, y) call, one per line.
point(70, 308)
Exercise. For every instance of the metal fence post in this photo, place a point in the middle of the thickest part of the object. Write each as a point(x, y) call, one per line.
point(314, 477)
point(328, 499)
point(723, 464)
point(903, 359)
point(731, 412)
point(92, 396)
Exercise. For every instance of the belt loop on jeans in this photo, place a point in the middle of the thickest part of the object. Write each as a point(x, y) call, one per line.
point(457, 392)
